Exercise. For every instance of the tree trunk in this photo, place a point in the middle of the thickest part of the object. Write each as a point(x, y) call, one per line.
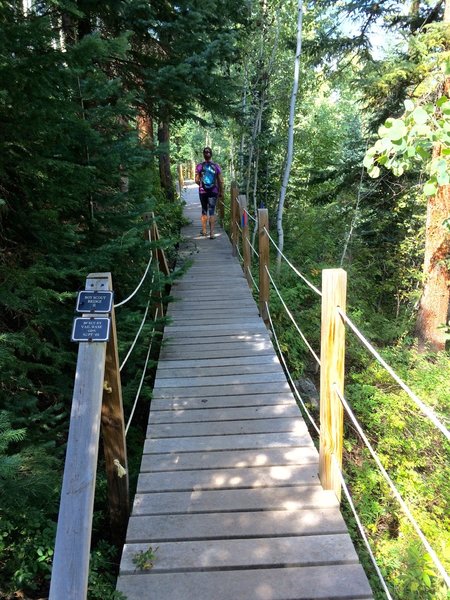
point(447, 12)
point(433, 315)
point(290, 150)
point(145, 129)
point(164, 161)
point(433, 312)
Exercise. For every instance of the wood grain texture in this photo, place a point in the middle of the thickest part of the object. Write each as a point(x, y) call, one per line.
point(229, 494)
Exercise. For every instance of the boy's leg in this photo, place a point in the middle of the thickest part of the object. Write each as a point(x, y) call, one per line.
point(212, 217)
point(204, 217)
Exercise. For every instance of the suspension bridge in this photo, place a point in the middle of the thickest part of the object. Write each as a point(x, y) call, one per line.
point(233, 499)
point(229, 499)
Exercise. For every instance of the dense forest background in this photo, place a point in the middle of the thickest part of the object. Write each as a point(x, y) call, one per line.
point(98, 104)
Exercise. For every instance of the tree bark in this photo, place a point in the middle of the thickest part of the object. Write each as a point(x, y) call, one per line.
point(290, 150)
point(164, 161)
point(145, 129)
point(433, 315)
point(433, 311)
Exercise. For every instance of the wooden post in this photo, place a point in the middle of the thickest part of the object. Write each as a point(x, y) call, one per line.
point(332, 357)
point(152, 234)
point(263, 241)
point(160, 254)
point(245, 239)
point(221, 209)
point(73, 536)
point(113, 434)
point(180, 178)
point(234, 192)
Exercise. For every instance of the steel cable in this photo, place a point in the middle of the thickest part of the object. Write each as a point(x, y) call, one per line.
point(253, 279)
point(396, 493)
point(292, 319)
point(136, 338)
point(142, 378)
point(423, 407)
point(308, 283)
point(293, 387)
point(361, 528)
point(138, 287)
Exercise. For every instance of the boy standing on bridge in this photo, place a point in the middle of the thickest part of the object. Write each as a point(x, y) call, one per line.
point(208, 176)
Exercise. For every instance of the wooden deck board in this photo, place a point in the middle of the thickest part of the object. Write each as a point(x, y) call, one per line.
point(228, 459)
point(228, 491)
point(341, 582)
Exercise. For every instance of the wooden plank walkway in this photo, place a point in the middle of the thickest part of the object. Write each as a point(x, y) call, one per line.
point(228, 491)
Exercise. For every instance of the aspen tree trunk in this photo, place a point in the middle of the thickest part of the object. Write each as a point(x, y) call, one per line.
point(244, 110)
point(290, 148)
point(433, 315)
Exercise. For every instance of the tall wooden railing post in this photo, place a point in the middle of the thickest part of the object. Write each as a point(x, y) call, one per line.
point(113, 434)
point(263, 242)
point(332, 358)
point(245, 239)
point(73, 535)
point(234, 192)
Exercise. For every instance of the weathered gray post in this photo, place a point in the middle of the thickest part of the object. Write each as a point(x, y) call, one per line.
point(73, 536)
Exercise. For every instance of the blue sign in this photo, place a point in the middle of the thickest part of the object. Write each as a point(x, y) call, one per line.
point(93, 329)
point(90, 302)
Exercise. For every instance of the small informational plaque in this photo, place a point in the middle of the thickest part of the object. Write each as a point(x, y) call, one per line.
point(93, 329)
point(90, 302)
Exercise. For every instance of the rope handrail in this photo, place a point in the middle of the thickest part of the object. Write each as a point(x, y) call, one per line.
point(361, 527)
point(396, 493)
point(253, 279)
point(423, 407)
point(250, 215)
point(293, 386)
point(255, 252)
point(138, 286)
point(292, 318)
point(240, 255)
point(296, 271)
point(136, 337)
point(142, 378)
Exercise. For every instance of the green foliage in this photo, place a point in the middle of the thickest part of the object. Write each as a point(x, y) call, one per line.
point(101, 582)
point(144, 559)
point(9, 465)
point(415, 454)
point(68, 140)
point(406, 143)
